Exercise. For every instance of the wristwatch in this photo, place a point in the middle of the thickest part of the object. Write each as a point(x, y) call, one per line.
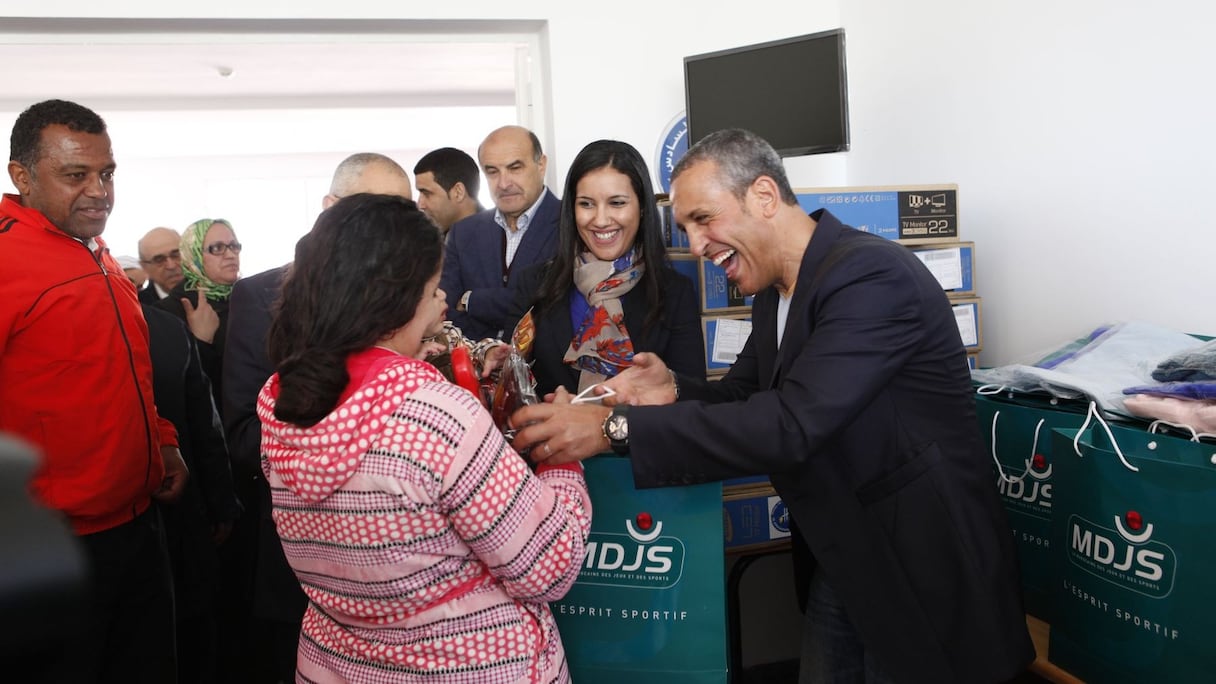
point(616, 428)
point(463, 304)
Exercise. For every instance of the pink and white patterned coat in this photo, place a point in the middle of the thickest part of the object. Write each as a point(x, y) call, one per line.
point(427, 548)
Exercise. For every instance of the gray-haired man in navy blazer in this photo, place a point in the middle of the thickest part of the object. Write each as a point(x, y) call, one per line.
point(486, 252)
point(853, 395)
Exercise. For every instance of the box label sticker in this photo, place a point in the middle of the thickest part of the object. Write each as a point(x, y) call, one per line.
point(729, 336)
point(964, 316)
point(778, 518)
point(946, 265)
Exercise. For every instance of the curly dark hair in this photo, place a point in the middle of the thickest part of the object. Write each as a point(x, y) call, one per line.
point(625, 158)
point(25, 143)
point(357, 276)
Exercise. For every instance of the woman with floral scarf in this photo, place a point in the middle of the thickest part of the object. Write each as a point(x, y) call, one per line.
point(211, 263)
point(610, 291)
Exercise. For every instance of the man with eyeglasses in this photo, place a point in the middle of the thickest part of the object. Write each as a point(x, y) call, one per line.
point(161, 258)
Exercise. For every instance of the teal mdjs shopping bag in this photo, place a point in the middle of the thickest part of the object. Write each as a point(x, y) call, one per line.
point(1135, 517)
point(649, 603)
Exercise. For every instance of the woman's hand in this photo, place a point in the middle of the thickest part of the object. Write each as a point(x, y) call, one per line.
point(495, 356)
point(202, 319)
point(430, 347)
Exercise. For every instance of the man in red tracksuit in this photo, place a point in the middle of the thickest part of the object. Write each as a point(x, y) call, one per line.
point(76, 382)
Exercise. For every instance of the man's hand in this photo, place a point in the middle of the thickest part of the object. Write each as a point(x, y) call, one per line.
point(646, 382)
point(561, 432)
point(176, 474)
point(202, 319)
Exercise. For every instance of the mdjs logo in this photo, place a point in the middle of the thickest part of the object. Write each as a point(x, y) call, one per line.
point(1032, 492)
point(1126, 555)
point(641, 558)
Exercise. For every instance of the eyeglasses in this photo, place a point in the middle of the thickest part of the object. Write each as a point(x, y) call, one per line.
point(218, 248)
point(160, 259)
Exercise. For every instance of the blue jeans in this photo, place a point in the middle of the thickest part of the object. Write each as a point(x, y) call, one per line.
point(832, 652)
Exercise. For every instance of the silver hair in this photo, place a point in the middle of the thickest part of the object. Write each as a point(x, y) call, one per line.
point(741, 157)
point(351, 168)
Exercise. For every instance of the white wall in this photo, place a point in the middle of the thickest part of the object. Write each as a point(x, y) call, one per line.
point(1080, 133)
point(1081, 136)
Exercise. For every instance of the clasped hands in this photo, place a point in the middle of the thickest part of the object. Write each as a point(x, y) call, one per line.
point(560, 431)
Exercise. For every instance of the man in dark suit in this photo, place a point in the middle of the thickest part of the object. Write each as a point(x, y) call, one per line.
point(161, 258)
point(487, 251)
point(852, 393)
point(268, 630)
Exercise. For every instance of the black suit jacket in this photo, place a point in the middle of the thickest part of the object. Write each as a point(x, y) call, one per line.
point(473, 262)
point(183, 396)
point(148, 294)
point(277, 593)
point(865, 422)
point(677, 338)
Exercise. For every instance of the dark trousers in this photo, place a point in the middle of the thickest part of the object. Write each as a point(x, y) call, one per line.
point(832, 651)
point(130, 635)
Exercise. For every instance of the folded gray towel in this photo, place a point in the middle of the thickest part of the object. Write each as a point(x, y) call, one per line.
point(1191, 365)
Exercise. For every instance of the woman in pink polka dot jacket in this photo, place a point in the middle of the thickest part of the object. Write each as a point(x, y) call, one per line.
point(427, 548)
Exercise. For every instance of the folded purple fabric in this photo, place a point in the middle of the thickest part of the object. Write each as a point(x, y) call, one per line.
point(1183, 390)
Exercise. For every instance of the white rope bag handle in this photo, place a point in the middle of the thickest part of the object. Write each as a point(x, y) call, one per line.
point(1195, 436)
point(1093, 415)
point(1034, 447)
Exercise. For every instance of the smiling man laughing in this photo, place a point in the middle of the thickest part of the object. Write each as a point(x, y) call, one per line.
point(853, 395)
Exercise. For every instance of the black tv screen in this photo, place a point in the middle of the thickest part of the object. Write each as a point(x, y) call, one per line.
point(792, 92)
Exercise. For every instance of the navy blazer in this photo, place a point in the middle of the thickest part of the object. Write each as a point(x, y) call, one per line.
point(473, 262)
point(276, 591)
point(865, 422)
point(677, 338)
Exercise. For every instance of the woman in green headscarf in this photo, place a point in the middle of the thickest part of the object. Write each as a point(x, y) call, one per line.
point(211, 263)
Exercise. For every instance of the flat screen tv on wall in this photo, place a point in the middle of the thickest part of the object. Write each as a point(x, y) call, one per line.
point(792, 92)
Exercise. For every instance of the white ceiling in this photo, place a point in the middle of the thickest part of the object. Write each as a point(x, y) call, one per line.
point(288, 72)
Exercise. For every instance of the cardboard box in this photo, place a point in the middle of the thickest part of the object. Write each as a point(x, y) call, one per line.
point(676, 239)
point(973, 360)
point(731, 334)
point(953, 264)
point(688, 266)
point(753, 518)
point(967, 313)
point(922, 214)
point(717, 293)
point(736, 484)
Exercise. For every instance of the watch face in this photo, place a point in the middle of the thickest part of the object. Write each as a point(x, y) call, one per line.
point(618, 428)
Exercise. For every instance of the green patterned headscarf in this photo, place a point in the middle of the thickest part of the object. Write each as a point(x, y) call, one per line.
point(192, 259)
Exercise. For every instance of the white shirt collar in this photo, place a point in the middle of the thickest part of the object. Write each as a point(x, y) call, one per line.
point(525, 219)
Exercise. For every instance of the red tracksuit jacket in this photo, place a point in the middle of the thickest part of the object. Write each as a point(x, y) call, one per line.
point(75, 375)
